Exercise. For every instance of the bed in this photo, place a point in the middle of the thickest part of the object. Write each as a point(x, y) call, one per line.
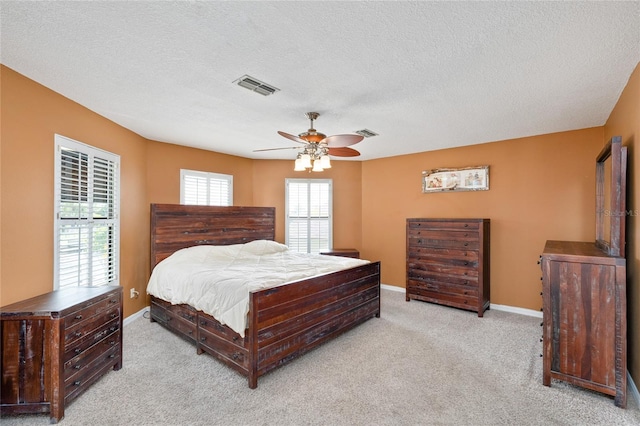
point(283, 322)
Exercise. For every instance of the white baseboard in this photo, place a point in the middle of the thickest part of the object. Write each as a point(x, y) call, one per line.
point(392, 287)
point(516, 310)
point(128, 320)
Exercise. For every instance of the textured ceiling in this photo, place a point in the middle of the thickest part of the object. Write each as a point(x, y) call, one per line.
point(424, 75)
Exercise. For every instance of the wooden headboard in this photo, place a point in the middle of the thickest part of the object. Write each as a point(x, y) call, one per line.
point(175, 226)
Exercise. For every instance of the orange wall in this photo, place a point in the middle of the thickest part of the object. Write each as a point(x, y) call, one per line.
point(164, 162)
point(625, 121)
point(269, 190)
point(31, 115)
point(541, 188)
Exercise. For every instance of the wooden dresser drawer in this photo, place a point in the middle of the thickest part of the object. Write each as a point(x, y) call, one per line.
point(436, 277)
point(446, 268)
point(80, 345)
point(223, 348)
point(443, 242)
point(90, 309)
point(178, 317)
point(444, 255)
point(416, 224)
point(83, 328)
point(106, 348)
point(225, 332)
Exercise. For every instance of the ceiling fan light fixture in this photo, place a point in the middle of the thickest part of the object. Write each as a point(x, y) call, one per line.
point(306, 161)
point(325, 161)
point(317, 167)
point(299, 167)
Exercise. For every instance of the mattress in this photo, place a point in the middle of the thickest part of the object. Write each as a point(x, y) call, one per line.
point(218, 279)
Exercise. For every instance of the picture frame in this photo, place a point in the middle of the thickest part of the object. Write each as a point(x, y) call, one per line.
point(459, 179)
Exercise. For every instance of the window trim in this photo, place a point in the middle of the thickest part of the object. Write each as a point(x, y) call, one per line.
point(208, 176)
point(65, 142)
point(330, 209)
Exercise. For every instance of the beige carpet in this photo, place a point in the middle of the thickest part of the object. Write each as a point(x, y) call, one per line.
point(419, 364)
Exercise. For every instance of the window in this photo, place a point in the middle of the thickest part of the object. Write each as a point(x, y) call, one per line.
point(86, 215)
point(205, 189)
point(309, 215)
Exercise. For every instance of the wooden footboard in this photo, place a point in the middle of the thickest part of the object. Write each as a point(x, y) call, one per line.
point(284, 322)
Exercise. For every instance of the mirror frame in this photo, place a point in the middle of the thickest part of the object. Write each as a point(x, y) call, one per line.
point(616, 210)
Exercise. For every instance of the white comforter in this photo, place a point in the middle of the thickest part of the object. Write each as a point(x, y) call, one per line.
point(217, 279)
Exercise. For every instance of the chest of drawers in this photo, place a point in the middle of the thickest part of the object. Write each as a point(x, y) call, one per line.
point(56, 345)
point(448, 262)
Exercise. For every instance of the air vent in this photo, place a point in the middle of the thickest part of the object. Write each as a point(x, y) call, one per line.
point(256, 85)
point(366, 133)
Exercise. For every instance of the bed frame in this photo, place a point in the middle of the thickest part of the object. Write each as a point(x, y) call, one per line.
point(284, 321)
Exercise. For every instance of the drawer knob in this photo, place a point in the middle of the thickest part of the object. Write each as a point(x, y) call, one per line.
point(78, 317)
point(114, 315)
point(466, 263)
point(77, 334)
point(112, 356)
point(202, 339)
point(77, 367)
point(113, 301)
point(466, 244)
point(112, 342)
point(235, 355)
point(466, 225)
point(76, 383)
point(235, 338)
point(78, 350)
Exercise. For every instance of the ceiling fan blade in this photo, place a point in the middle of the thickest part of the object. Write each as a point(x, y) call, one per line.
point(338, 141)
point(275, 149)
point(292, 137)
point(343, 152)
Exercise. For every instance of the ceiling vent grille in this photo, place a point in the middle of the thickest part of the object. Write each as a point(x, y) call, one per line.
point(366, 133)
point(256, 85)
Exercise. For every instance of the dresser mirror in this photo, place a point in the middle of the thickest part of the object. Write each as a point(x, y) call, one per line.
point(611, 177)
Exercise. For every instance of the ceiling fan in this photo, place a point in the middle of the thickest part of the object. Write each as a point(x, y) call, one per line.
point(317, 147)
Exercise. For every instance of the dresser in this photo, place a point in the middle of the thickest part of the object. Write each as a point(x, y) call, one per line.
point(448, 262)
point(584, 318)
point(56, 345)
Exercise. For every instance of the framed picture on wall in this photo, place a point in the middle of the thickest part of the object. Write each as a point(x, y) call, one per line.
point(462, 179)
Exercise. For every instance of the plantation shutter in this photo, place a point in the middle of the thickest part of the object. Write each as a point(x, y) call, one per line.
point(86, 215)
point(205, 189)
point(309, 221)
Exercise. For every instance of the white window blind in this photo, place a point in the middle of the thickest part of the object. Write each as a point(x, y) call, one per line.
point(87, 211)
point(205, 189)
point(309, 215)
